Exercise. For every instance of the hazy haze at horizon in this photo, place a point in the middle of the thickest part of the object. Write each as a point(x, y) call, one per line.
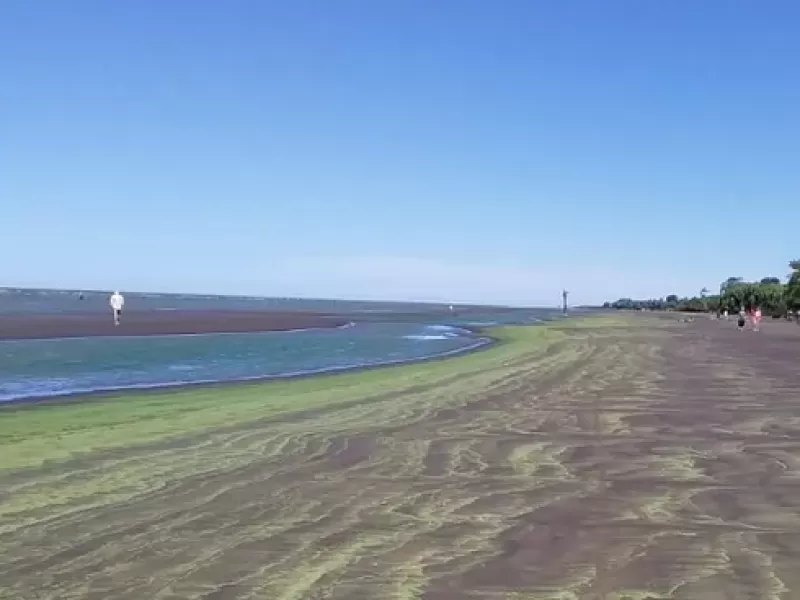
point(448, 152)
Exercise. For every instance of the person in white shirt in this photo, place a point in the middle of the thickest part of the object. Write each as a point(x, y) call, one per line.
point(116, 302)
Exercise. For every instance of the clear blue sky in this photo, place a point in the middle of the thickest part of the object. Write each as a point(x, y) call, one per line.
point(454, 150)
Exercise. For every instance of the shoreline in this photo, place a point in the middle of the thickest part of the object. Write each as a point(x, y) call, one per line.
point(155, 323)
point(449, 460)
point(484, 340)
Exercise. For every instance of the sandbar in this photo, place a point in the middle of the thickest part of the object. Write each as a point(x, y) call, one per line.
point(160, 322)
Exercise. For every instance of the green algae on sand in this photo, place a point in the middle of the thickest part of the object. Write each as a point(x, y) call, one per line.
point(34, 433)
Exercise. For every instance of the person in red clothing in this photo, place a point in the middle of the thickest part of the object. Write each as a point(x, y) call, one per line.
point(756, 316)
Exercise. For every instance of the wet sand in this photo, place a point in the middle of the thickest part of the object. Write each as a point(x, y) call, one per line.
point(652, 460)
point(165, 322)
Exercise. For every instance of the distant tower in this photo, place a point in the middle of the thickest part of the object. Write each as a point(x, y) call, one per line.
point(564, 295)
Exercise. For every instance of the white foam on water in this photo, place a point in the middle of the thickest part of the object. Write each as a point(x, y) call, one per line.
point(182, 367)
point(441, 328)
point(439, 332)
point(450, 330)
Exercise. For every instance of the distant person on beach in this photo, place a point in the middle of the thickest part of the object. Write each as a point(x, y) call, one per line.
point(117, 301)
point(741, 322)
point(756, 318)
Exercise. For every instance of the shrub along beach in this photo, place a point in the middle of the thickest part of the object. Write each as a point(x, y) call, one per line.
point(775, 298)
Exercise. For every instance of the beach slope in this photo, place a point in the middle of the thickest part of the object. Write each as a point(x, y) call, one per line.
point(621, 457)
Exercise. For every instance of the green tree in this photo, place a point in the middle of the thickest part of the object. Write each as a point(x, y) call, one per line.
point(792, 289)
point(730, 281)
point(769, 294)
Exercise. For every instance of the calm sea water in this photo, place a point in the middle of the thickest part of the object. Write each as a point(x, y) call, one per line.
point(26, 301)
point(383, 333)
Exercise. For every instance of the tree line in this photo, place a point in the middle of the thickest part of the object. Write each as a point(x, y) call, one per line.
point(774, 297)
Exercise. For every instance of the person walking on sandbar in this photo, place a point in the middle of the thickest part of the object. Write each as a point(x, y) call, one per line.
point(116, 302)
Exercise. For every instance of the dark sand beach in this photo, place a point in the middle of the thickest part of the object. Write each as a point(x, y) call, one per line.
point(167, 322)
point(611, 458)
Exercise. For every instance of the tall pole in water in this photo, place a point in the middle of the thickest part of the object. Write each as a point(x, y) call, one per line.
point(564, 295)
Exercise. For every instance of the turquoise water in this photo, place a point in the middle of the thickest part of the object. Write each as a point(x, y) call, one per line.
point(381, 334)
point(69, 366)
